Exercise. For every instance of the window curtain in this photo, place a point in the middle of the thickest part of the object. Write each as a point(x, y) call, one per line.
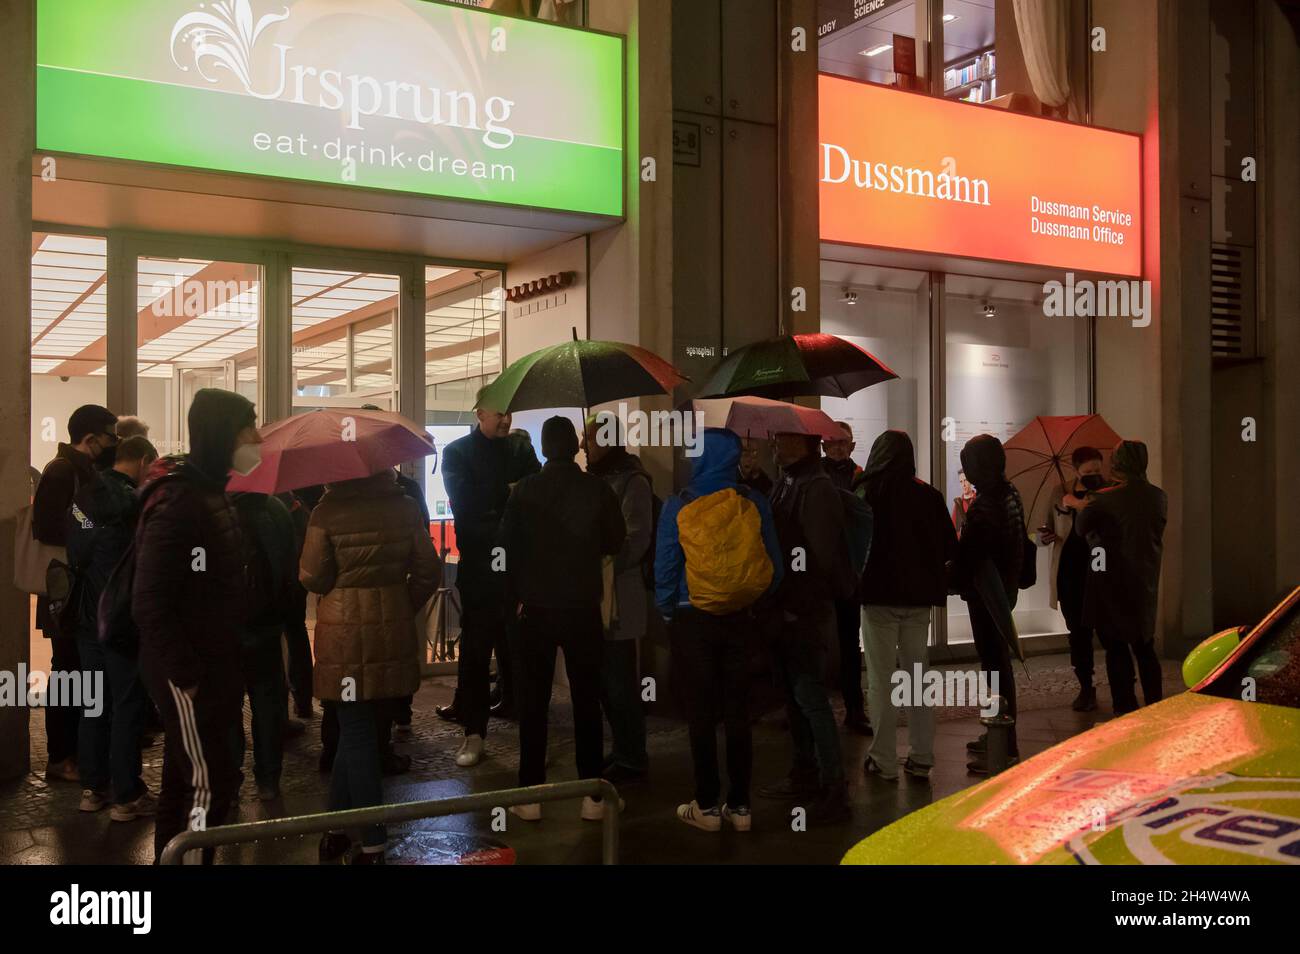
point(1043, 26)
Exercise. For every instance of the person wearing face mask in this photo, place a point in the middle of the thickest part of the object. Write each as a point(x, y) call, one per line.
point(1070, 564)
point(188, 602)
point(91, 446)
point(100, 525)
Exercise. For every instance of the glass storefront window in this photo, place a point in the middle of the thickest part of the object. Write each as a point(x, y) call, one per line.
point(197, 327)
point(69, 328)
point(1007, 363)
point(862, 46)
point(970, 56)
point(885, 311)
point(568, 12)
point(462, 338)
point(343, 338)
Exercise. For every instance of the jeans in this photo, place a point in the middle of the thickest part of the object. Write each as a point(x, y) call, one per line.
point(263, 670)
point(621, 697)
point(800, 656)
point(61, 722)
point(710, 657)
point(848, 616)
point(995, 657)
point(897, 635)
point(482, 622)
point(357, 781)
point(108, 745)
point(580, 635)
point(1119, 670)
point(299, 646)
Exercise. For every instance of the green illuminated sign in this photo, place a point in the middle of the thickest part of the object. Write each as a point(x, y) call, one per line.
point(404, 95)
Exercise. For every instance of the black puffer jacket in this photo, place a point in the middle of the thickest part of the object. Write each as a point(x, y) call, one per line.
point(189, 596)
point(995, 522)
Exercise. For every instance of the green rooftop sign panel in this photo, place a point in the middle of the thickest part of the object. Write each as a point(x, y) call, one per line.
point(410, 96)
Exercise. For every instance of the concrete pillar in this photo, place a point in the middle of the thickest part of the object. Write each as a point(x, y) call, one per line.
point(18, 120)
point(800, 249)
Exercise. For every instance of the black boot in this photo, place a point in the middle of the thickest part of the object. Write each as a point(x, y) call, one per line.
point(1086, 700)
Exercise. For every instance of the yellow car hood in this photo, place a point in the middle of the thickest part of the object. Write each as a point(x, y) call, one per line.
point(1195, 779)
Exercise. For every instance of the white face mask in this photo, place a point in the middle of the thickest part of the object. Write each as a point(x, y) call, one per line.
point(247, 457)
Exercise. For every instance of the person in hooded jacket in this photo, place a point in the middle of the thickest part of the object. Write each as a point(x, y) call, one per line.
point(912, 543)
point(993, 540)
point(710, 652)
point(101, 522)
point(188, 602)
point(369, 556)
point(608, 458)
point(1127, 522)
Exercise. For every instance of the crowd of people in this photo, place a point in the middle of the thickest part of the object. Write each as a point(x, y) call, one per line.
point(188, 599)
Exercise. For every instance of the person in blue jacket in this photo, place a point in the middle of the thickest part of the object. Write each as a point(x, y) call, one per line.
point(711, 650)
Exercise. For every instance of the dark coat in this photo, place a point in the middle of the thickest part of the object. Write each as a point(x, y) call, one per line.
point(994, 531)
point(558, 525)
point(912, 539)
point(1128, 523)
point(632, 486)
point(62, 476)
point(100, 524)
point(478, 473)
point(189, 596)
point(371, 559)
point(270, 554)
point(807, 512)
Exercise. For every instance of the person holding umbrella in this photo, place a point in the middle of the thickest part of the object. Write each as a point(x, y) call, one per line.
point(1070, 564)
point(987, 573)
point(371, 559)
point(1127, 524)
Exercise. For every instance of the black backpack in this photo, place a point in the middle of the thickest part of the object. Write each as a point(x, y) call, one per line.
point(117, 628)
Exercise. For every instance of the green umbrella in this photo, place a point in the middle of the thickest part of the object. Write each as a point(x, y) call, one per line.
point(579, 374)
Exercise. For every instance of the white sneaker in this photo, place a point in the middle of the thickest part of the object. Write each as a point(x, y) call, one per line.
point(593, 810)
point(92, 801)
point(531, 812)
point(143, 807)
point(697, 817)
point(471, 751)
point(738, 817)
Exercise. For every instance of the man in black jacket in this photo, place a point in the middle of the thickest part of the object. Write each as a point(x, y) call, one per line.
point(809, 522)
point(912, 542)
point(992, 544)
point(101, 522)
point(189, 605)
point(1127, 523)
point(843, 472)
point(558, 526)
point(92, 442)
point(478, 472)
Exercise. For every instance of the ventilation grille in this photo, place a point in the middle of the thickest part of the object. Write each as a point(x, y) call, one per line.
point(1228, 314)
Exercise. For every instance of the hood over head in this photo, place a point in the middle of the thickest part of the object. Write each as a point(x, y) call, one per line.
point(1130, 459)
point(985, 462)
point(893, 458)
point(719, 460)
point(215, 419)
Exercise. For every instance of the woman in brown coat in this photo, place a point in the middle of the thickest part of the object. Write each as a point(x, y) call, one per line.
point(370, 557)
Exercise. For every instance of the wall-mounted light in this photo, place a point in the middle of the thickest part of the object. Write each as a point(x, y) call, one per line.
point(876, 50)
point(850, 297)
point(990, 310)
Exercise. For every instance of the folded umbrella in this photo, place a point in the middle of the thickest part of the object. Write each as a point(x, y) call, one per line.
point(760, 417)
point(796, 366)
point(580, 374)
point(331, 445)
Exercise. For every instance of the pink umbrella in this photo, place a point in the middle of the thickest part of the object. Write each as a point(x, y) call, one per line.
point(762, 417)
point(331, 445)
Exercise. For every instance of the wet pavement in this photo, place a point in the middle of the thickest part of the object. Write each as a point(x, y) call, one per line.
point(40, 822)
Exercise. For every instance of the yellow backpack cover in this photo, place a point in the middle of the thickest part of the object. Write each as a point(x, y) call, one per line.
point(727, 566)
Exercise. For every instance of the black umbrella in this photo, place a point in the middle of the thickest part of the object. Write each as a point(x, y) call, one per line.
point(796, 366)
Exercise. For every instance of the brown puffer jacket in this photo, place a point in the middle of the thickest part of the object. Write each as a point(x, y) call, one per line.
point(374, 565)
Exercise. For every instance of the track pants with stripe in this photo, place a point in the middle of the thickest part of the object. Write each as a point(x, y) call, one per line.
point(201, 771)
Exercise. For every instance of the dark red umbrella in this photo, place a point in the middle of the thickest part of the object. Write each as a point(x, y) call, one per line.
point(1038, 458)
point(796, 366)
point(331, 445)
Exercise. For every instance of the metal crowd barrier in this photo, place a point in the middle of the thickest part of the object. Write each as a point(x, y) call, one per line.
point(404, 812)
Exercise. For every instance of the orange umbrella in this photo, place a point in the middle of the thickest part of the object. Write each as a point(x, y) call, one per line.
point(1038, 458)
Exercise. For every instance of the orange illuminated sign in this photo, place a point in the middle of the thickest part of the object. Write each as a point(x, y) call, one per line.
point(906, 171)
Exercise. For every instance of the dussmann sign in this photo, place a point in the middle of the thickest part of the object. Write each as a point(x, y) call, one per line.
point(905, 171)
point(403, 95)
